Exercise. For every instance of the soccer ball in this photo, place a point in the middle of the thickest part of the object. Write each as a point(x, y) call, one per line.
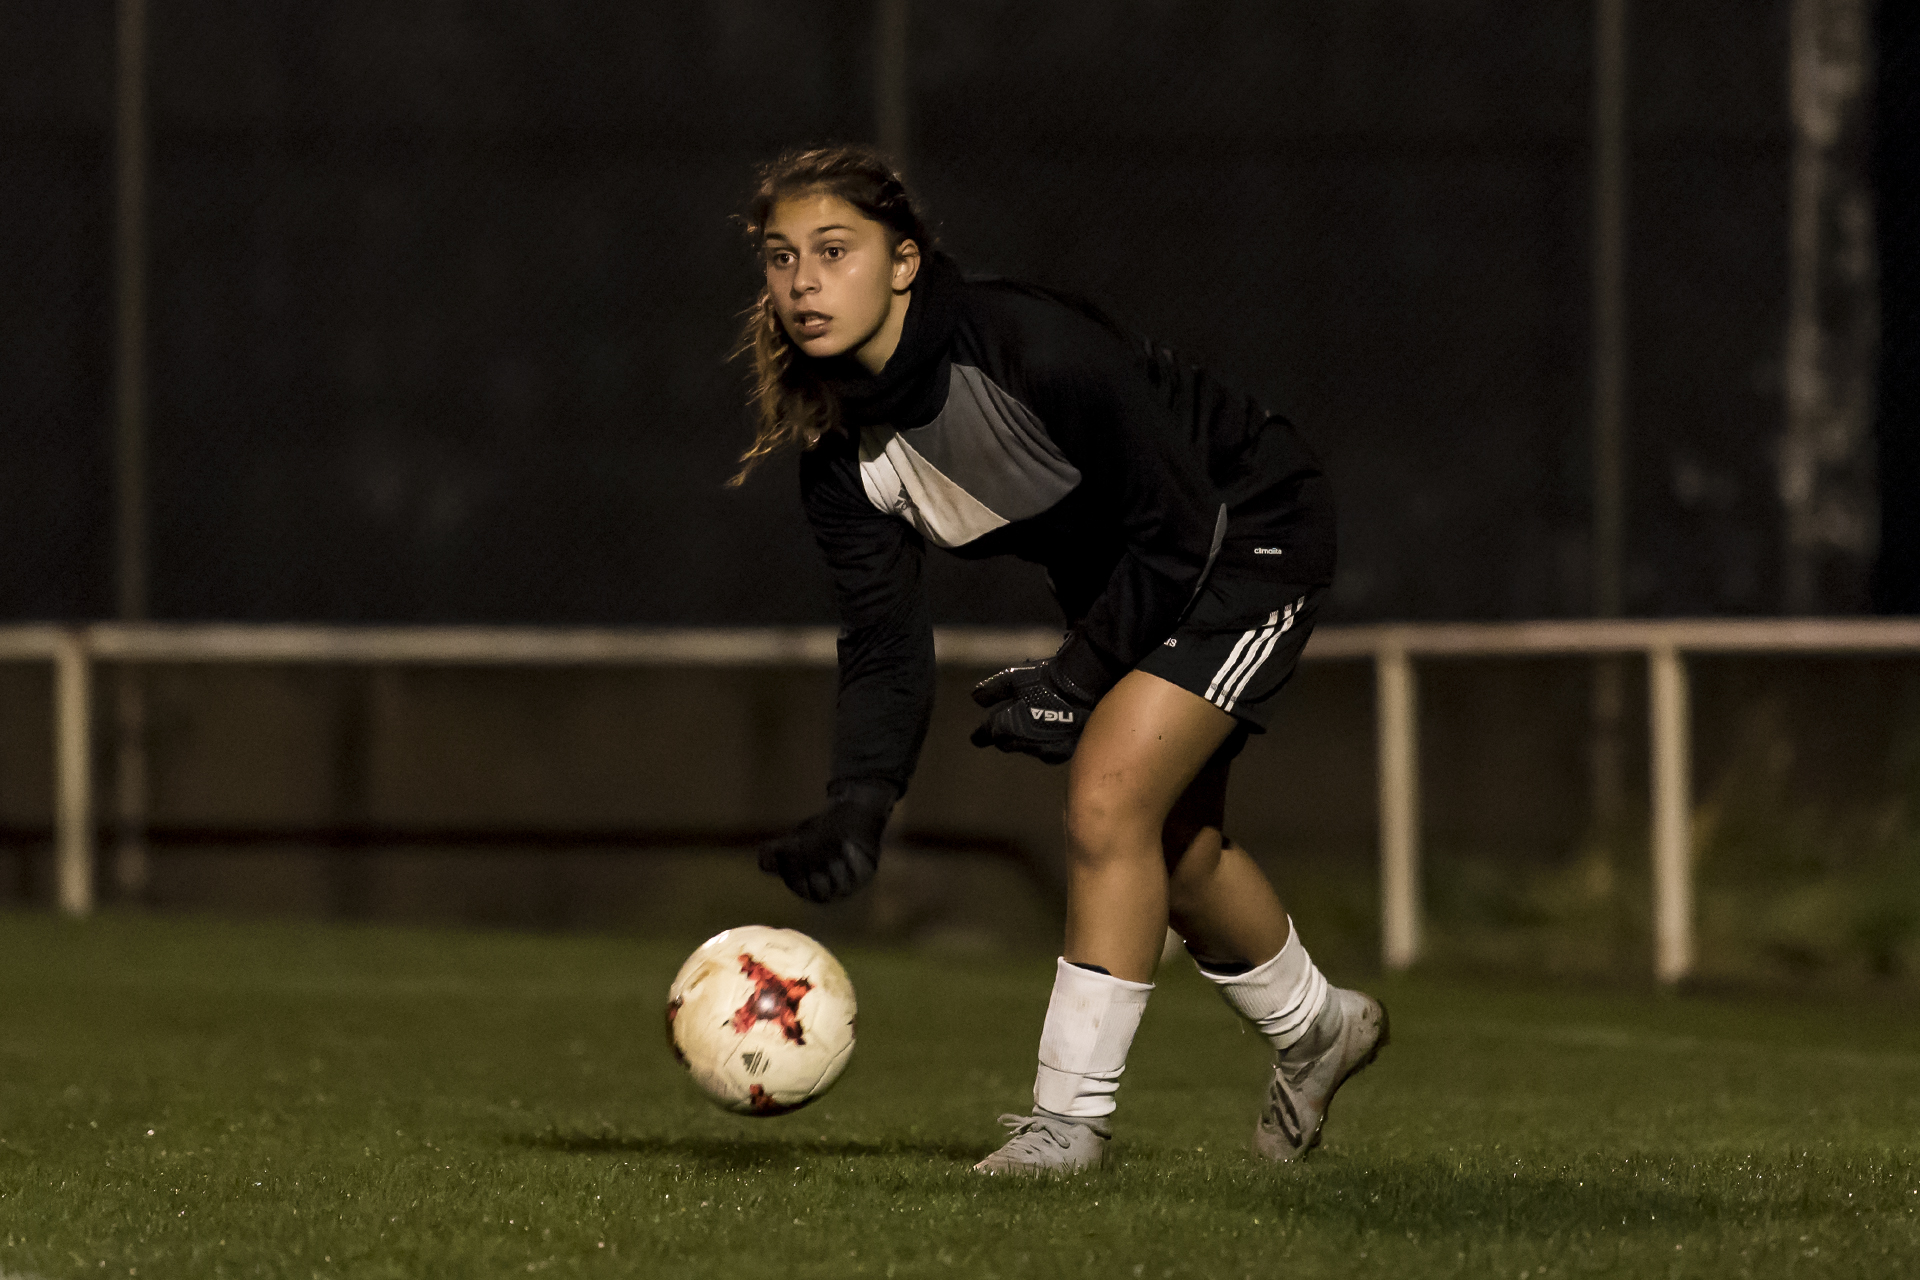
point(762, 1019)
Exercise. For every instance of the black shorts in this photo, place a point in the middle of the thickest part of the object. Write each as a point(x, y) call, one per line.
point(1238, 645)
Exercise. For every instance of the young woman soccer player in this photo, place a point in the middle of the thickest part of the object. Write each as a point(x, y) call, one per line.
point(1188, 536)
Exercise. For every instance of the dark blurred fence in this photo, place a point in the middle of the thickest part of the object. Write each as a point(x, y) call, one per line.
point(1786, 841)
point(440, 302)
point(441, 294)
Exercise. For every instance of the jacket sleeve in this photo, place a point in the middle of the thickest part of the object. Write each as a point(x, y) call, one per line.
point(1100, 405)
point(885, 699)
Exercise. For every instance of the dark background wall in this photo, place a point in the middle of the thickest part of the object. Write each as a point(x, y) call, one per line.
point(1897, 190)
point(442, 294)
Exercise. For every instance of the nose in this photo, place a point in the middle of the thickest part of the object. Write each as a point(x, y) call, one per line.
point(806, 278)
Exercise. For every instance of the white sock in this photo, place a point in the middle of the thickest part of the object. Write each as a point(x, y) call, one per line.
point(1083, 1046)
point(1281, 997)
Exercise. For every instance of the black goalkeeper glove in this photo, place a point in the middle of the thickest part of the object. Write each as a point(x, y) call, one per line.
point(835, 852)
point(1033, 708)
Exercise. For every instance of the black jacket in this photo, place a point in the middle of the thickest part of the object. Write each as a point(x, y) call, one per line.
point(1013, 420)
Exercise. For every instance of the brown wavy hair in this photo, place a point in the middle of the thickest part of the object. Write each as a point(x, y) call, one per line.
point(791, 404)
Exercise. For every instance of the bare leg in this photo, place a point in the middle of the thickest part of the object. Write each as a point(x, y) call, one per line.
point(1145, 798)
point(1144, 745)
point(1218, 898)
point(1228, 913)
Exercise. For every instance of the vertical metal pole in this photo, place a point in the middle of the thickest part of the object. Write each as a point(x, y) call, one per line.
point(1609, 411)
point(1672, 833)
point(890, 78)
point(73, 774)
point(130, 433)
point(130, 310)
point(1399, 734)
point(1609, 301)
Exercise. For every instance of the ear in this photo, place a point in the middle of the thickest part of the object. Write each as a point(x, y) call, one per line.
point(906, 265)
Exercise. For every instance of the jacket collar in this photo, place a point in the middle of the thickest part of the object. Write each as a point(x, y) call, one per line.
point(912, 387)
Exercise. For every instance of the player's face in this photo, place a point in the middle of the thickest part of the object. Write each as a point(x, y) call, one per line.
point(836, 284)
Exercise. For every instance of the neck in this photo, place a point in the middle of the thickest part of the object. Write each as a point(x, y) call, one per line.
point(877, 350)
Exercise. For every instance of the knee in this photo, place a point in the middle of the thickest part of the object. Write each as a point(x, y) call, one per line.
point(1105, 824)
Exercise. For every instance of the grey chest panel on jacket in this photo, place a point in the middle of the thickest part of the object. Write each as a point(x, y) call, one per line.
point(984, 461)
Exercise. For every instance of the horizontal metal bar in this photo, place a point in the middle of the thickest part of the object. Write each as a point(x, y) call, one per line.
point(1621, 635)
point(994, 647)
point(962, 646)
point(553, 646)
point(29, 643)
point(535, 646)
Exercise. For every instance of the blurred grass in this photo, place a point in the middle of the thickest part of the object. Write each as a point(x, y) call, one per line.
point(184, 1098)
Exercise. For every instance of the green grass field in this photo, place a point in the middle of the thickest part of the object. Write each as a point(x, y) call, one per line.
point(195, 1099)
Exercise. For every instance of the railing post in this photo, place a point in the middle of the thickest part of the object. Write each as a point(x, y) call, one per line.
point(1398, 733)
point(73, 773)
point(1672, 758)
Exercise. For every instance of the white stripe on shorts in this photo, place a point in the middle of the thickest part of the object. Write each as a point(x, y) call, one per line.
point(1230, 668)
point(1239, 668)
point(1266, 651)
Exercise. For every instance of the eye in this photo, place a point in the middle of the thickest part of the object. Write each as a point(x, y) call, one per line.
point(779, 258)
point(834, 252)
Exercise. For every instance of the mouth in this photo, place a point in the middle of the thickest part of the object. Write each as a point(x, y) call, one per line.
point(811, 324)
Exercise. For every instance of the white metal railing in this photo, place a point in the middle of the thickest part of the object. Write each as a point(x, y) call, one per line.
point(1392, 649)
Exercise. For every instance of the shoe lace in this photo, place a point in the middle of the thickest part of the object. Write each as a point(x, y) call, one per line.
point(1036, 1130)
point(1282, 1115)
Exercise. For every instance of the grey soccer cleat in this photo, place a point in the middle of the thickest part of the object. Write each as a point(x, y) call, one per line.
point(1348, 1034)
point(1045, 1144)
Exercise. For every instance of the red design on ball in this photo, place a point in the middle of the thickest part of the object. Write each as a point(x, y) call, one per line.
point(673, 1011)
point(763, 1103)
point(775, 999)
